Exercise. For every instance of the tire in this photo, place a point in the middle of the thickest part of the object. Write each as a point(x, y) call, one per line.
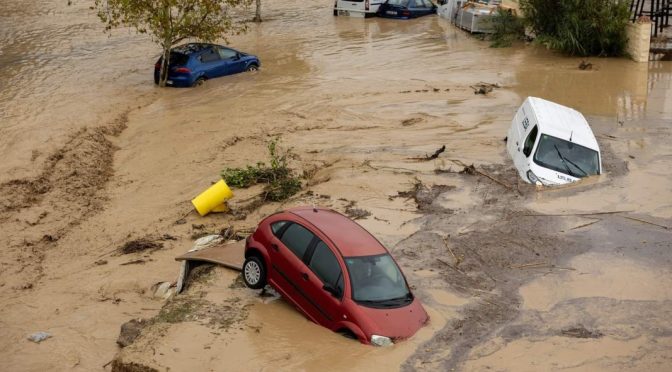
point(200, 81)
point(254, 272)
point(252, 67)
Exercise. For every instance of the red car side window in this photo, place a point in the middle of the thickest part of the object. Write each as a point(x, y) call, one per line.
point(297, 238)
point(326, 267)
point(276, 227)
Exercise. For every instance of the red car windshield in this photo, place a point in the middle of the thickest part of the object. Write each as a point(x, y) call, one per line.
point(377, 281)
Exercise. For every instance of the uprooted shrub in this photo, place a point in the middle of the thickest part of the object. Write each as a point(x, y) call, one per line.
point(579, 27)
point(280, 181)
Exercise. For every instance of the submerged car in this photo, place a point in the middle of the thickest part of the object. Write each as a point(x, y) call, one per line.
point(406, 9)
point(551, 144)
point(357, 8)
point(334, 272)
point(194, 63)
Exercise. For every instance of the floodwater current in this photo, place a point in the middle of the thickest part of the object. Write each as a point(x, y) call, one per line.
point(350, 95)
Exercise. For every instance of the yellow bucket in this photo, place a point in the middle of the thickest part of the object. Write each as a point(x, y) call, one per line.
point(212, 199)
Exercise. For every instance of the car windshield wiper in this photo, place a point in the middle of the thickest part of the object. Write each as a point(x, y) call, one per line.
point(577, 167)
point(564, 162)
point(390, 301)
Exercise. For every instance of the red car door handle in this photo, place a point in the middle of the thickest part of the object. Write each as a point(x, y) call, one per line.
point(274, 246)
point(304, 276)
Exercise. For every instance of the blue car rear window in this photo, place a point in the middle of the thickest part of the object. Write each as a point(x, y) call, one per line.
point(178, 59)
point(398, 2)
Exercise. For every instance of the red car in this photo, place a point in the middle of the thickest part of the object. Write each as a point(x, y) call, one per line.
point(335, 272)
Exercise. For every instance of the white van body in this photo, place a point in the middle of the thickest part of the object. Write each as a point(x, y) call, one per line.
point(551, 144)
point(357, 8)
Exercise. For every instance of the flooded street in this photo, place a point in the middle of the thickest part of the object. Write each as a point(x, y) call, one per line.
point(513, 278)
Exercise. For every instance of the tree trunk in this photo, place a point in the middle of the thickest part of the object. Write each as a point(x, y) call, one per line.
point(163, 73)
point(257, 13)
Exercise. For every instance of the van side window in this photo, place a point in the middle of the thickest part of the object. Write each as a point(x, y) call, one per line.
point(529, 142)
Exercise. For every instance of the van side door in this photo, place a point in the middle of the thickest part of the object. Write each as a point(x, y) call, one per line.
point(520, 127)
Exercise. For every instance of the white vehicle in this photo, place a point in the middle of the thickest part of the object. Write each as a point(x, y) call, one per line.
point(357, 8)
point(551, 144)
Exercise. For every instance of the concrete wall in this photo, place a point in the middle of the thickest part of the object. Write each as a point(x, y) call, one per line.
point(639, 40)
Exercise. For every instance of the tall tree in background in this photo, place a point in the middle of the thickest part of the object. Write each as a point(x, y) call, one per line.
point(169, 22)
point(257, 11)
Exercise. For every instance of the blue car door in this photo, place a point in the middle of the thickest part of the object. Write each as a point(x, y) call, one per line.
point(234, 64)
point(211, 63)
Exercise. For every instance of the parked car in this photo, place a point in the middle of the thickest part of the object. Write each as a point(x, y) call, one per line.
point(334, 272)
point(357, 8)
point(194, 63)
point(405, 9)
point(551, 144)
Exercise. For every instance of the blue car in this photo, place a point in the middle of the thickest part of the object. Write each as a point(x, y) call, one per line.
point(405, 9)
point(194, 63)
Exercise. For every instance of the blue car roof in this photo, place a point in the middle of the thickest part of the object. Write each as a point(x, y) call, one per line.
point(191, 48)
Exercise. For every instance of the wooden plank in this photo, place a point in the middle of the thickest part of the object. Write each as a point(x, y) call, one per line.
point(231, 255)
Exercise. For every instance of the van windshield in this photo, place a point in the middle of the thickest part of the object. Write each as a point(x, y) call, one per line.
point(377, 282)
point(566, 157)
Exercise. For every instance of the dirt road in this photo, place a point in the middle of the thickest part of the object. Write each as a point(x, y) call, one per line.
point(514, 278)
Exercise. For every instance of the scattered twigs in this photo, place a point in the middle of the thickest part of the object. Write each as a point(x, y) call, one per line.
point(586, 224)
point(534, 264)
point(646, 222)
point(540, 265)
point(470, 169)
point(574, 214)
point(458, 260)
point(451, 266)
point(435, 155)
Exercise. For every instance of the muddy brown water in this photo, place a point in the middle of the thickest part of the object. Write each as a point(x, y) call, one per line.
point(94, 156)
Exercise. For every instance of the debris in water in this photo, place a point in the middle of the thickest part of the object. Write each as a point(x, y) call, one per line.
point(437, 153)
point(580, 332)
point(411, 121)
point(38, 337)
point(585, 65)
point(140, 245)
point(484, 88)
point(355, 213)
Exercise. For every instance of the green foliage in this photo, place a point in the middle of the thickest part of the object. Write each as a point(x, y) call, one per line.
point(170, 21)
point(579, 27)
point(507, 28)
point(280, 180)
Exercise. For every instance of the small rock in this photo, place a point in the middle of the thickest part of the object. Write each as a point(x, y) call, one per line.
point(101, 262)
point(38, 337)
point(130, 331)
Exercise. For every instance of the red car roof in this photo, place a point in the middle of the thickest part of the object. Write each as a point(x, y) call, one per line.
point(348, 236)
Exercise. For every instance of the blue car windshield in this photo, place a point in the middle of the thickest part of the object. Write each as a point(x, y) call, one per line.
point(566, 157)
point(377, 279)
point(403, 3)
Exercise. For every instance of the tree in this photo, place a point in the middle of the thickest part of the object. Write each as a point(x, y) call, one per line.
point(257, 11)
point(169, 22)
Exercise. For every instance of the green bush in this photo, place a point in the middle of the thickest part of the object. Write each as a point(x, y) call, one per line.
point(579, 27)
point(507, 28)
point(281, 182)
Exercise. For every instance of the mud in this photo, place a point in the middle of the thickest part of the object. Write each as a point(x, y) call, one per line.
point(94, 156)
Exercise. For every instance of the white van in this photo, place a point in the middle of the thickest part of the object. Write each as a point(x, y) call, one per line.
point(357, 8)
point(551, 144)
